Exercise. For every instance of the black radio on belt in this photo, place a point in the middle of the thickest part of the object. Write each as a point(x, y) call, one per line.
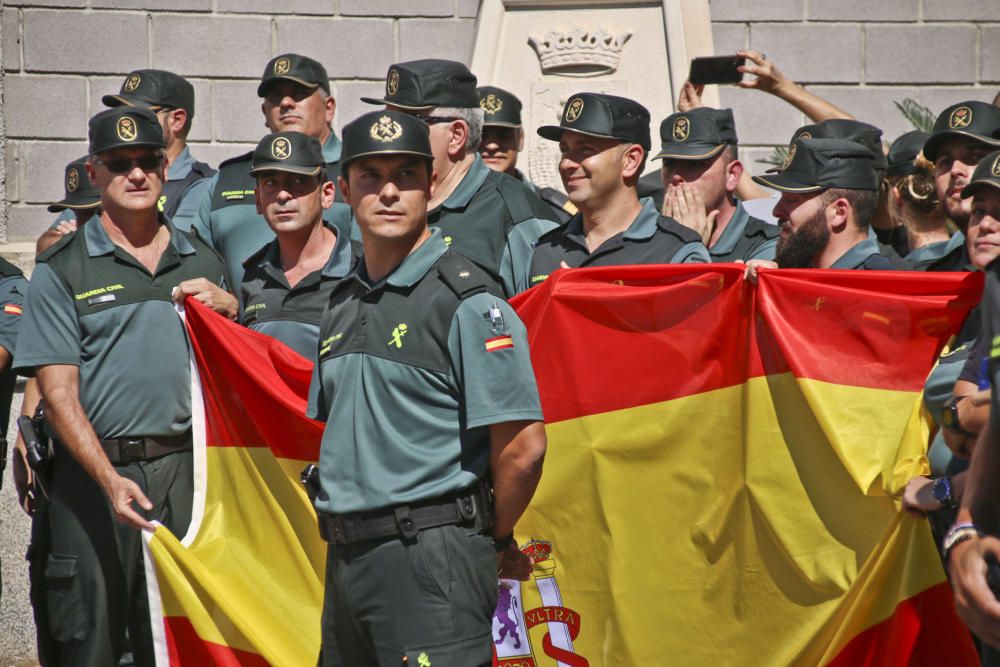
point(38, 447)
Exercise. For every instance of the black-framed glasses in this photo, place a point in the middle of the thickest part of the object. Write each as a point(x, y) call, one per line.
point(124, 165)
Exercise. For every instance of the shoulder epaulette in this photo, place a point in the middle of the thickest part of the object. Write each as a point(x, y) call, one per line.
point(515, 196)
point(463, 276)
point(8, 269)
point(246, 157)
point(56, 247)
point(199, 243)
point(757, 227)
point(202, 169)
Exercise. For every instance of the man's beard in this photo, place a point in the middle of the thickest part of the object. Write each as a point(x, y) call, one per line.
point(797, 250)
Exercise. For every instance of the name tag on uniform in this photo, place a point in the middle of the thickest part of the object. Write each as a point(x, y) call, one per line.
point(98, 300)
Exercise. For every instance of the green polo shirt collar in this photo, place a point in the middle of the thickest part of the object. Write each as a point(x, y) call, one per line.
point(99, 243)
point(337, 266)
point(414, 267)
point(733, 232)
point(471, 182)
point(181, 166)
point(331, 148)
point(642, 228)
point(856, 256)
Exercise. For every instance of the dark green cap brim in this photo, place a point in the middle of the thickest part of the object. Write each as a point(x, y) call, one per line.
point(782, 183)
point(264, 85)
point(60, 206)
point(970, 189)
point(500, 123)
point(692, 151)
point(934, 144)
point(284, 166)
point(389, 151)
point(390, 103)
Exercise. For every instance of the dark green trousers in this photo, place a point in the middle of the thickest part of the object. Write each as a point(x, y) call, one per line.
point(429, 600)
point(95, 581)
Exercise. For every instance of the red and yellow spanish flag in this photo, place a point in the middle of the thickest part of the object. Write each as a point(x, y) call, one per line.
point(721, 485)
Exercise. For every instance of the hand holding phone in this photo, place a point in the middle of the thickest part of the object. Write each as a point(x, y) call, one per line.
point(716, 69)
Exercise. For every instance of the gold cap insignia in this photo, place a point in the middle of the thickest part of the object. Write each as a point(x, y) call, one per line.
point(996, 167)
point(959, 118)
point(126, 128)
point(789, 157)
point(132, 83)
point(682, 129)
point(386, 130)
point(574, 110)
point(392, 83)
point(72, 180)
point(281, 148)
point(282, 65)
point(491, 104)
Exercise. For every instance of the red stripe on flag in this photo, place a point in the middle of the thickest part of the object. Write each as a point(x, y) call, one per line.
point(185, 647)
point(670, 331)
point(255, 387)
point(12, 309)
point(923, 630)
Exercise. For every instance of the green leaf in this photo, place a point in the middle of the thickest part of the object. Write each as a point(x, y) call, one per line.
point(919, 116)
point(776, 158)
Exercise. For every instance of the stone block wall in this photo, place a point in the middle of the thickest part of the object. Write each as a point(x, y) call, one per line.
point(60, 56)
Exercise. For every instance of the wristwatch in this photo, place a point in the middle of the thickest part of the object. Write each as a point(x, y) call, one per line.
point(941, 490)
point(949, 415)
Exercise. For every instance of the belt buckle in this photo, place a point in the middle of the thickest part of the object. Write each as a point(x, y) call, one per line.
point(131, 450)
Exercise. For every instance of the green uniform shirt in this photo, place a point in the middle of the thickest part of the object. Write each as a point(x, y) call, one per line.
point(745, 238)
point(953, 257)
point(650, 239)
point(864, 255)
point(493, 219)
point(223, 212)
point(93, 305)
point(291, 314)
point(411, 372)
point(929, 253)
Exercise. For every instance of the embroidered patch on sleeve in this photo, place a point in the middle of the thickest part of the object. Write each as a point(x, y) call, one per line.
point(12, 309)
point(499, 343)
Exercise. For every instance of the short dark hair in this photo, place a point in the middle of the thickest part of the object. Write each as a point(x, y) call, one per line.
point(863, 203)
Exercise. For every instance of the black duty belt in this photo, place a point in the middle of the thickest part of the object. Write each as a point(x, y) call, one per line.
point(129, 450)
point(469, 508)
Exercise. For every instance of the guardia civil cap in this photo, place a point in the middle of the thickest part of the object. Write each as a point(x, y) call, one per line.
point(819, 164)
point(155, 88)
point(606, 116)
point(697, 134)
point(296, 68)
point(293, 152)
point(385, 133)
point(80, 193)
point(418, 85)
point(987, 174)
point(978, 121)
point(903, 152)
point(124, 127)
point(500, 107)
point(842, 128)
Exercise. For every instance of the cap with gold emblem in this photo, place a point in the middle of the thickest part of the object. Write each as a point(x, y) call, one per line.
point(154, 88)
point(857, 131)
point(293, 152)
point(124, 127)
point(500, 107)
point(292, 67)
point(424, 84)
point(80, 192)
point(606, 116)
point(385, 133)
point(820, 164)
point(697, 134)
point(978, 121)
point(987, 174)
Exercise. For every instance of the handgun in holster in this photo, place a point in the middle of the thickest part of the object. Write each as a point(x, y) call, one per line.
point(310, 480)
point(37, 445)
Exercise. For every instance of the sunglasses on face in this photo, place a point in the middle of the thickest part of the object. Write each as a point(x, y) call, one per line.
point(124, 165)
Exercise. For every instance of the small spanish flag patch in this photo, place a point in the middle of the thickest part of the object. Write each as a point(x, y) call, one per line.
point(499, 343)
point(12, 309)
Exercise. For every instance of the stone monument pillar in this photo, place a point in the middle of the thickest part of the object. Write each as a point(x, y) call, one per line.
point(543, 51)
